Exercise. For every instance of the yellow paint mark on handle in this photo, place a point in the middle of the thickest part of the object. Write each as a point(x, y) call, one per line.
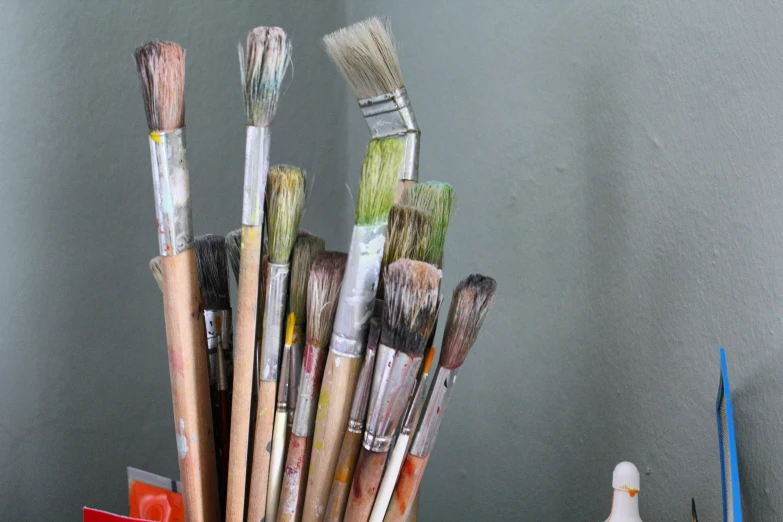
point(319, 444)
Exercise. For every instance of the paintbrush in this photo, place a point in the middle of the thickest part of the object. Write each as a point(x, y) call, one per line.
point(354, 309)
point(161, 68)
point(437, 198)
point(157, 271)
point(401, 445)
point(323, 289)
point(470, 304)
point(407, 237)
point(352, 440)
point(307, 246)
point(694, 518)
point(285, 205)
point(366, 55)
point(411, 308)
point(262, 69)
point(233, 248)
point(212, 269)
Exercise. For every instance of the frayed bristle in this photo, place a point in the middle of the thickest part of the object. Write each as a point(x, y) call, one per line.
point(285, 191)
point(161, 68)
point(366, 55)
point(263, 68)
point(437, 198)
point(303, 233)
point(323, 292)
point(234, 249)
point(411, 305)
point(305, 250)
point(470, 304)
point(407, 236)
point(212, 270)
point(378, 183)
point(157, 271)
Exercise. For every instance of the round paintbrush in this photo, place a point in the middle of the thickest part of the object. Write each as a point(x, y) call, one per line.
point(161, 69)
point(470, 304)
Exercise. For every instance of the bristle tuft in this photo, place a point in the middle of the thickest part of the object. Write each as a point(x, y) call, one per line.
point(470, 304)
point(157, 271)
point(212, 270)
point(437, 198)
point(234, 249)
point(305, 250)
point(411, 305)
point(366, 55)
point(323, 292)
point(378, 183)
point(407, 236)
point(263, 69)
point(161, 68)
point(285, 192)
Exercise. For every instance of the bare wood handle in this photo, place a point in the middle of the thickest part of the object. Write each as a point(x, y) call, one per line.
point(343, 476)
point(366, 479)
point(401, 196)
point(292, 495)
point(187, 352)
point(406, 489)
point(262, 448)
point(244, 348)
point(331, 421)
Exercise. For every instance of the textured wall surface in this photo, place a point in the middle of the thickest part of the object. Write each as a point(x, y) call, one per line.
point(617, 166)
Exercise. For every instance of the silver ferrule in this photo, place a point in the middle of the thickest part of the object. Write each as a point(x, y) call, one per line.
point(438, 399)
point(256, 170)
point(414, 405)
point(390, 115)
point(312, 372)
point(295, 369)
point(361, 396)
point(274, 321)
point(171, 181)
point(393, 379)
point(218, 325)
point(357, 295)
point(282, 386)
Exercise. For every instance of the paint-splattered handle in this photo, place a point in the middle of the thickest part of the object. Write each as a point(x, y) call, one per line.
point(296, 466)
point(407, 486)
point(262, 450)
point(366, 480)
point(343, 476)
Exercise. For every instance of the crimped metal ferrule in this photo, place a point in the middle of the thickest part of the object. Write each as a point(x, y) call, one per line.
point(393, 380)
point(295, 369)
point(390, 115)
point(417, 398)
point(171, 181)
point(437, 401)
point(219, 349)
point(274, 321)
point(283, 386)
point(361, 396)
point(256, 170)
point(357, 295)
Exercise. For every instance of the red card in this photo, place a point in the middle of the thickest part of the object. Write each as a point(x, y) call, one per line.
point(93, 515)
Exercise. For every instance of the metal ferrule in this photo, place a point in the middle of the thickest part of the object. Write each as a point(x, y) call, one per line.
point(171, 181)
point(393, 380)
point(438, 399)
point(274, 321)
point(256, 170)
point(308, 397)
point(282, 386)
point(390, 115)
point(415, 404)
point(218, 324)
point(295, 368)
point(361, 396)
point(357, 295)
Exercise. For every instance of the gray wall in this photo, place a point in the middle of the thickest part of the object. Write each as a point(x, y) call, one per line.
point(615, 164)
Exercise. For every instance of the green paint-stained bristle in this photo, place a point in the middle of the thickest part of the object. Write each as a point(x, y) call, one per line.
point(285, 195)
point(437, 198)
point(378, 183)
point(305, 250)
point(407, 237)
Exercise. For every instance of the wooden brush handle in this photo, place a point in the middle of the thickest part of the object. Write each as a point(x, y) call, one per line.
point(401, 196)
point(366, 479)
point(331, 421)
point(343, 476)
point(406, 489)
point(222, 435)
point(294, 477)
point(262, 449)
point(390, 478)
point(187, 351)
point(414, 512)
point(276, 465)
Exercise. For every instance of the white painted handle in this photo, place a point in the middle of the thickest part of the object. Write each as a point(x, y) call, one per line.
point(389, 479)
point(276, 465)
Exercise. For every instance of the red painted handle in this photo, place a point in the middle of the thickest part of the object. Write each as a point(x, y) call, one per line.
point(407, 486)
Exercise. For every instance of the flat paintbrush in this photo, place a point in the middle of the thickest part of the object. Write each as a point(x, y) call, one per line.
point(285, 205)
point(411, 298)
point(354, 309)
point(470, 304)
point(366, 55)
point(212, 266)
point(323, 290)
point(161, 68)
point(436, 198)
point(407, 237)
point(263, 68)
